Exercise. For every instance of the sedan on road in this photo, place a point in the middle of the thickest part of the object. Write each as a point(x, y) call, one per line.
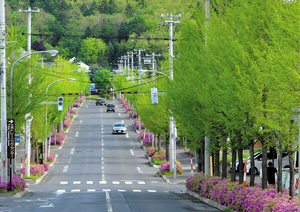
point(119, 127)
point(110, 107)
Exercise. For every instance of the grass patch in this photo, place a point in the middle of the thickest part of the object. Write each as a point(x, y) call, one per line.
point(32, 177)
point(158, 161)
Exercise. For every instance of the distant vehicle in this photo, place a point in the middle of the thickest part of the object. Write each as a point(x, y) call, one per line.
point(101, 101)
point(110, 107)
point(258, 161)
point(119, 127)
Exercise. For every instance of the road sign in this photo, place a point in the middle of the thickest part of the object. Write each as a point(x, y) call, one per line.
point(11, 138)
point(17, 137)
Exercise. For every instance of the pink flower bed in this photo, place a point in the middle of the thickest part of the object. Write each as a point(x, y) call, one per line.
point(17, 184)
point(146, 135)
point(37, 169)
point(234, 196)
point(51, 157)
point(165, 167)
point(72, 112)
point(147, 142)
point(59, 138)
point(67, 122)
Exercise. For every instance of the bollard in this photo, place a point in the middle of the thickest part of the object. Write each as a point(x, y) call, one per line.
point(191, 154)
point(21, 167)
point(245, 169)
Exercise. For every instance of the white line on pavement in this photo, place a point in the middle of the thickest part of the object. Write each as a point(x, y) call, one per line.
point(66, 169)
point(127, 136)
point(80, 121)
point(76, 134)
point(131, 152)
point(72, 151)
point(139, 170)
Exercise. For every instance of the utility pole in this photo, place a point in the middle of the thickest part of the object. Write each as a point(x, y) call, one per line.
point(124, 64)
point(132, 66)
point(172, 119)
point(128, 68)
point(153, 60)
point(29, 11)
point(139, 66)
point(3, 93)
point(207, 140)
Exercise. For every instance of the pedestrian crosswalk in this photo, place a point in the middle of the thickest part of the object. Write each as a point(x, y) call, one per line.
point(124, 182)
point(103, 190)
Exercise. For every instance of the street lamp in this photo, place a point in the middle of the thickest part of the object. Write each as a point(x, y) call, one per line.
point(69, 79)
point(51, 52)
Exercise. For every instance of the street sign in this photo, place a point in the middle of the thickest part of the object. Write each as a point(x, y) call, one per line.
point(11, 138)
point(147, 61)
point(17, 137)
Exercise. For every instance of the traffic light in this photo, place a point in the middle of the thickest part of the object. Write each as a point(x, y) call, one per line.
point(60, 103)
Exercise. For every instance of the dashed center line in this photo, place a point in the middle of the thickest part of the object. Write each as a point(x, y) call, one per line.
point(131, 152)
point(76, 134)
point(65, 169)
point(139, 169)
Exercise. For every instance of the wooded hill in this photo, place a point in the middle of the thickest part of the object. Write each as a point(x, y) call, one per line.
point(65, 24)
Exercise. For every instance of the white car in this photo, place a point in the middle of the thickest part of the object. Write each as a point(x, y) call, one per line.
point(119, 127)
point(258, 161)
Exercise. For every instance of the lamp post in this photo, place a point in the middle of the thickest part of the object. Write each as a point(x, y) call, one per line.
point(69, 79)
point(27, 146)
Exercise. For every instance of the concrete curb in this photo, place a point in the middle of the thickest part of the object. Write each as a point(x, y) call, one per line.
point(37, 181)
point(21, 193)
point(207, 201)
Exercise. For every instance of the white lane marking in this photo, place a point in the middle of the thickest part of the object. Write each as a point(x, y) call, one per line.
point(102, 182)
point(59, 192)
point(115, 182)
point(64, 182)
point(102, 144)
point(101, 158)
point(141, 182)
point(153, 181)
point(131, 152)
point(66, 169)
point(102, 140)
point(75, 190)
point(91, 190)
point(87, 106)
point(76, 134)
point(102, 149)
point(80, 121)
point(76, 182)
point(128, 182)
point(106, 190)
point(50, 205)
point(126, 135)
point(109, 208)
point(101, 128)
point(89, 182)
point(102, 162)
point(151, 191)
point(72, 151)
point(102, 132)
point(136, 190)
point(102, 167)
point(119, 114)
point(139, 170)
point(122, 121)
point(122, 190)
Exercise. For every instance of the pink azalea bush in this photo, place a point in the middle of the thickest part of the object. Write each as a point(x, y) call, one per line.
point(51, 157)
point(37, 169)
point(234, 196)
point(146, 135)
point(158, 157)
point(147, 142)
point(132, 114)
point(151, 151)
point(67, 122)
point(165, 167)
point(82, 99)
point(72, 112)
point(76, 104)
point(59, 138)
point(17, 184)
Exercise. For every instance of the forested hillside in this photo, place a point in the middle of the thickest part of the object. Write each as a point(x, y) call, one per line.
point(112, 27)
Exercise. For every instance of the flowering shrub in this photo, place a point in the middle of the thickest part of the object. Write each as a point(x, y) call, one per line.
point(46, 166)
point(50, 157)
point(132, 114)
point(76, 104)
point(136, 124)
point(37, 169)
point(17, 184)
point(72, 112)
point(126, 107)
point(67, 122)
point(234, 196)
point(147, 142)
point(59, 138)
point(158, 158)
point(165, 167)
point(82, 99)
point(151, 151)
point(146, 135)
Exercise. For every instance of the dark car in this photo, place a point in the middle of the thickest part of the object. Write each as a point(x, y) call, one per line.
point(101, 101)
point(110, 107)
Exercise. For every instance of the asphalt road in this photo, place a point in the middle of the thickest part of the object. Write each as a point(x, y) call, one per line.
point(98, 171)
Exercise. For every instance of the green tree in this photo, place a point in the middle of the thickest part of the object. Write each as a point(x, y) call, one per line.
point(92, 50)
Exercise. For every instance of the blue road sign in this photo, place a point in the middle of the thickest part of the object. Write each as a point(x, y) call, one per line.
point(17, 137)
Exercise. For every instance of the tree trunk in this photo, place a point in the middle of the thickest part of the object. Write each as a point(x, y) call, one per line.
point(279, 171)
point(241, 162)
point(264, 166)
point(224, 163)
point(233, 162)
point(58, 127)
point(167, 148)
point(252, 165)
point(158, 142)
point(292, 174)
point(155, 141)
point(200, 153)
point(216, 163)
